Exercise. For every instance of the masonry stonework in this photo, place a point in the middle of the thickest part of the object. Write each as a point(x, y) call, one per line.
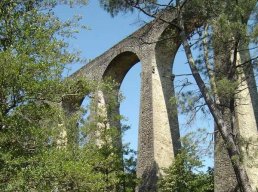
point(155, 46)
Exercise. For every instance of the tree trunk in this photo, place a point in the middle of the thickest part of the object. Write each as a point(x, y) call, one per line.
point(231, 144)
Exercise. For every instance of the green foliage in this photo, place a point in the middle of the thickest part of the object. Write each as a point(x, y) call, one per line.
point(115, 6)
point(41, 146)
point(32, 60)
point(102, 132)
point(183, 174)
point(226, 88)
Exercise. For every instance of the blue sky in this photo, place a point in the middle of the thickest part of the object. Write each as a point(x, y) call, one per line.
point(105, 32)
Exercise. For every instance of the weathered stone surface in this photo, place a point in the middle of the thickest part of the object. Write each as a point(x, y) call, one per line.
point(246, 123)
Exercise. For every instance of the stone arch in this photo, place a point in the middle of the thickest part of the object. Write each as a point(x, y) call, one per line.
point(115, 71)
point(168, 44)
point(120, 65)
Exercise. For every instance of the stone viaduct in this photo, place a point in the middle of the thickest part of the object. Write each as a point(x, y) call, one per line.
point(155, 46)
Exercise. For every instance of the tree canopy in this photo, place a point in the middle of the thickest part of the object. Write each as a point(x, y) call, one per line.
point(42, 148)
point(184, 174)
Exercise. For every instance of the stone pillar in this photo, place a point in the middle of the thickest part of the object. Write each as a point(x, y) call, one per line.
point(224, 176)
point(69, 132)
point(98, 118)
point(246, 122)
point(104, 114)
point(111, 105)
point(158, 131)
point(246, 117)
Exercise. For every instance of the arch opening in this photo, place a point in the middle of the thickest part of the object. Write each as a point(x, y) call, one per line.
point(125, 70)
point(130, 106)
point(183, 84)
point(197, 123)
point(120, 65)
point(84, 121)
